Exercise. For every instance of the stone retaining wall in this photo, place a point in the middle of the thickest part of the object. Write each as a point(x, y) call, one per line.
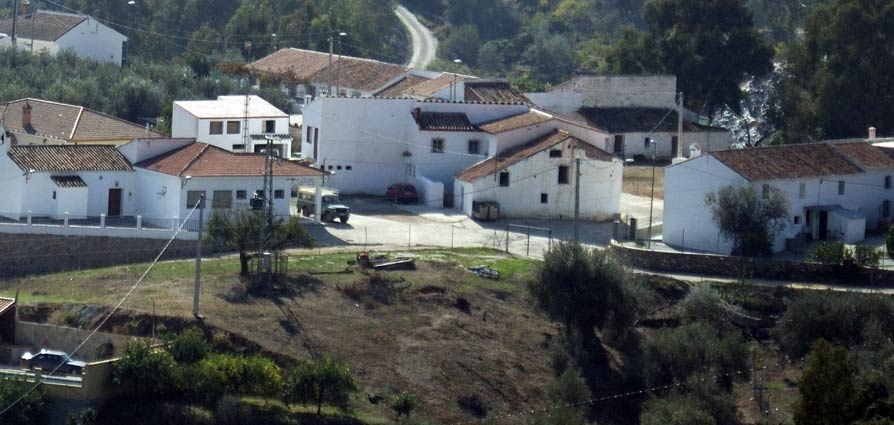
point(38, 254)
point(742, 267)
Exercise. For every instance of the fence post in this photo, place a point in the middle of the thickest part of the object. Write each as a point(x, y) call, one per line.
point(65, 220)
point(176, 223)
point(507, 238)
point(139, 222)
point(102, 221)
point(528, 247)
point(29, 217)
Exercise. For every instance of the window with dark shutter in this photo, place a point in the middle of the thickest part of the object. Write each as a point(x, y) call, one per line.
point(563, 174)
point(504, 179)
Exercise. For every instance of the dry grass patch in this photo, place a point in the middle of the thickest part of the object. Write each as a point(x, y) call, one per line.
point(638, 181)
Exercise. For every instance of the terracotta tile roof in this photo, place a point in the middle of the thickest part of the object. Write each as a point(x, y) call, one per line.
point(430, 87)
point(493, 91)
point(445, 121)
point(865, 154)
point(402, 86)
point(202, 160)
point(359, 74)
point(514, 122)
point(637, 120)
point(492, 165)
point(6, 303)
point(46, 26)
point(790, 161)
point(68, 181)
point(308, 66)
point(296, 64)
point(70, 123)
point(69, 158)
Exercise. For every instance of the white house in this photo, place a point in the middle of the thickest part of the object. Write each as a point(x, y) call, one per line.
point(538, 178)
point(55, 180)
point(235, 123)
point(169, 184)
point(52, 32)
point(835, 190)
point(633, 108)
point(41, 122)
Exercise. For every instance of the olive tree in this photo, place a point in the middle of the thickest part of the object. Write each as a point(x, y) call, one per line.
point(749, 219)
point(243, 230)
point(325, 381)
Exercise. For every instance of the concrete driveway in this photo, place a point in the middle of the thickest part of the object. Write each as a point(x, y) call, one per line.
point(376, 222)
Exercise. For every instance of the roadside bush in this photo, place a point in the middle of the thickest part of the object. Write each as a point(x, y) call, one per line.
point(867, 256)
point(675, 409)
point(839, 318)
point(220, 374)
point(889, 241)
point(145, 371)
point(190, 346)
point(568, 395)
point(675, 355)
point(403, 403)
point(705, 304)
point(830, 254)
point(326, 381)
point(29, 410)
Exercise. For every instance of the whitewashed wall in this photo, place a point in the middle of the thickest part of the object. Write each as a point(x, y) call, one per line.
point(93, 40)
point(186, 125)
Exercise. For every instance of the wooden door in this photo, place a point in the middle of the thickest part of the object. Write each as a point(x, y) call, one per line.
point(114, 203)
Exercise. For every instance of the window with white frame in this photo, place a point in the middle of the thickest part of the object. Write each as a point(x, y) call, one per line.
point(437, 145)
point(234, 127)
point(215, 127)
point(474, 147)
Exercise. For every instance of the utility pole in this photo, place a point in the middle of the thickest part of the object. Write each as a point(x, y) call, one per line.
point(577, 200)
point(652, 198)
point(338, 65)
point(329, 68)
point(15, 18)
point(679, 152)
point(195, 300)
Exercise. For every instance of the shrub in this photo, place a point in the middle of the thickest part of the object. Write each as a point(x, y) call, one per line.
point(231, 411)
point(675, 409)
point(672, 355)
point(827, 388)
point(146, 372)
point(836, 317)
point(325, 381)
point(190, 346)
point(28, 410)
point(867, 256)
point(704, 304)
point(220, 374)
point(829, 253)
point(84, 417)
point(889, 241)
point(403, 403)
point(473, 404)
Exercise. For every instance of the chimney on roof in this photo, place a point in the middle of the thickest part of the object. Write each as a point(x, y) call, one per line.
point(26, 115)
point(416, 113)
point(871, 133)
point(26, 7)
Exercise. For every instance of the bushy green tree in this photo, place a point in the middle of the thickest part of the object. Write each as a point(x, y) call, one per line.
point(750, 220)
point(583, 290)
point(827, 390)
point(711, 46)
point(705, 304)
point(325, 381)
point(672, 356)
point(220, 374)
point(28, 410)
point(675, 409)
point(242, 229)
point(836, 82)
point(144, 371)
point(190, 346)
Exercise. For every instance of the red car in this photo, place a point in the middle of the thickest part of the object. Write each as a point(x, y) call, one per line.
point(402, 192)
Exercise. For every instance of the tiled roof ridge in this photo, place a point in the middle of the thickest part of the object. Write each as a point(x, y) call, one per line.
point(195, 157)
point(112, 117)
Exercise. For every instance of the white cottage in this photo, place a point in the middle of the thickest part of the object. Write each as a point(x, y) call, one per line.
point(55, 180)
point(52, 32)
point(538, 179)
point(171, 183)
point(835, 190)
point(236, 123)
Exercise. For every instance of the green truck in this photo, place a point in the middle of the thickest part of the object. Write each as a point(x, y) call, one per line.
point(332, 209)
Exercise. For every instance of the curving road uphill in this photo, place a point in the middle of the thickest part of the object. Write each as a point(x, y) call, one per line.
point(424, 43)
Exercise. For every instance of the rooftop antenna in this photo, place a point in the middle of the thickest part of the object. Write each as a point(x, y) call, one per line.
point(245, 136)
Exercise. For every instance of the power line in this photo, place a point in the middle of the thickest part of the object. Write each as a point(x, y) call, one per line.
point(108, 316)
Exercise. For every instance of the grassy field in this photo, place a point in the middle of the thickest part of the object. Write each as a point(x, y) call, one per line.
point(417, 337)
point(638, 181)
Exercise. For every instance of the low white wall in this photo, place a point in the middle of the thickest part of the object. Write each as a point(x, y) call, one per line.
point(430, 193)
point(44, 229)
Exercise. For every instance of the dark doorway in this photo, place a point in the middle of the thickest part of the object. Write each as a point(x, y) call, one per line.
point(619, 144)
point(114, 203)
point(823, 225)
point(675, 144)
